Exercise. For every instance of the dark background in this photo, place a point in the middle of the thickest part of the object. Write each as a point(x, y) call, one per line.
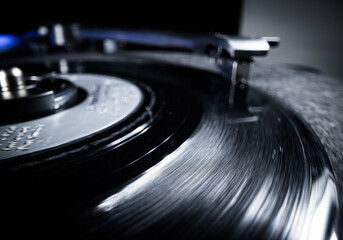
point(209, 19)
point(310, 30)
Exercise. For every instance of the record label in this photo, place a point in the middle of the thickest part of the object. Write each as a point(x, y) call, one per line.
point(110, 100)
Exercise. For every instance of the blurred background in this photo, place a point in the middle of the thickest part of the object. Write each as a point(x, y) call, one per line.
point(310, 30)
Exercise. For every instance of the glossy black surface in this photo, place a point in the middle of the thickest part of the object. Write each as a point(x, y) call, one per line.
point(200, 168)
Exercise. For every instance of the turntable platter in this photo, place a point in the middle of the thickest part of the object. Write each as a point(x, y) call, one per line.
point(168, 145)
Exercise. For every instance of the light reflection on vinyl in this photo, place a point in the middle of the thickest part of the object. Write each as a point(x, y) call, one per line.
point(183, 165)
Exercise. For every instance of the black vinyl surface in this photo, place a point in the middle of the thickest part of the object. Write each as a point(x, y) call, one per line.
point(202, 169)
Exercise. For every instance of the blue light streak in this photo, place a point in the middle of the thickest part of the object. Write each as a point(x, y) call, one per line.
point(8, 42)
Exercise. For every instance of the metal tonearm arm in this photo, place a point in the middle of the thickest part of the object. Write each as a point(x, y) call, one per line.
point(234, 55)
point(235, 47)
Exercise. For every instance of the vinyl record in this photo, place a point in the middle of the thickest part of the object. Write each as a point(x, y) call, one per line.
point(179, 162)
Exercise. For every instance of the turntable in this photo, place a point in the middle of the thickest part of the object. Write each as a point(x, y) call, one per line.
point(127, 134)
